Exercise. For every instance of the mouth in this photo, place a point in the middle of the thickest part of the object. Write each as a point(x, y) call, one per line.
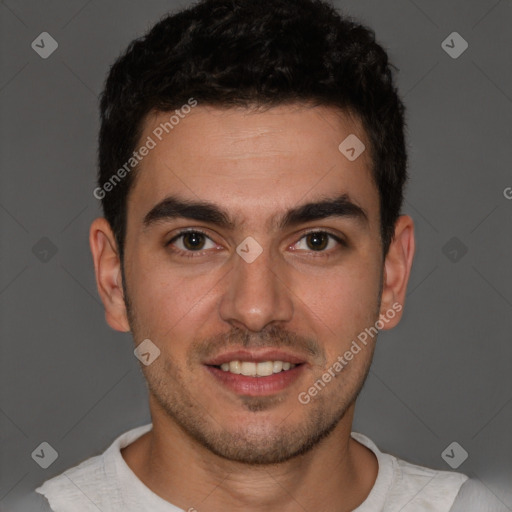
point(256, 373)
point(255, 369)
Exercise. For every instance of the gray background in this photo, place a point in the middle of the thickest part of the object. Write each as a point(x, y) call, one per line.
point(444, 374)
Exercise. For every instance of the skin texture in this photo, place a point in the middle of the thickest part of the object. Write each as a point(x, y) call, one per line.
point(211, 448)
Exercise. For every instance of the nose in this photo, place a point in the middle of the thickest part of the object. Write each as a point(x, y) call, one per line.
point(256, 294)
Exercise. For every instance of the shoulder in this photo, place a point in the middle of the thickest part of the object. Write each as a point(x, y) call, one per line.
point(33, 502)
point(422, 488)
point(408, 487)
point(79, 485)
point(476, 497)
point(92, 484)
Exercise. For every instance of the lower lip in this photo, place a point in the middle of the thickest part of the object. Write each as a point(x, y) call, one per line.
point(256, 386)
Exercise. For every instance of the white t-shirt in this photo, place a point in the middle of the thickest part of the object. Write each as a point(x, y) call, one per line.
point(106, 483)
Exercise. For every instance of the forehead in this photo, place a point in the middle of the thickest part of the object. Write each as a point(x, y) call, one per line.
point(254, 163)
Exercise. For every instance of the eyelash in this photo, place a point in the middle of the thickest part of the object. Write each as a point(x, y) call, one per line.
point(192, 254)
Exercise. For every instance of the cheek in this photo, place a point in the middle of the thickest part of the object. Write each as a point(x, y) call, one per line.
point(165, 298)
point(339, 305)
point(342, 297)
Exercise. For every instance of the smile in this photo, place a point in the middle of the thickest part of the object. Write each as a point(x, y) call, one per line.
point(254, 369)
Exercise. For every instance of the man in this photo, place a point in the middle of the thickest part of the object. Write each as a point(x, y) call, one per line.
point(251, 167)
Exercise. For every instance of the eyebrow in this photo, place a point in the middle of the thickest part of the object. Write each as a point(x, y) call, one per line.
point(173, 207)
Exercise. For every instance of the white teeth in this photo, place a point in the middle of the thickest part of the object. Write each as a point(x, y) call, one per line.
point(235, 367)
point(252, 369)
point(278, 366)
point(265, 369)
point(248, 368)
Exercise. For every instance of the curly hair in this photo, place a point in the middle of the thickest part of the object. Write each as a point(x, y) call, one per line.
point(230, 53)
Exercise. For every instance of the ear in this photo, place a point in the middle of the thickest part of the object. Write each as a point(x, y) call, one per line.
point(107, 266)
point(397, 268)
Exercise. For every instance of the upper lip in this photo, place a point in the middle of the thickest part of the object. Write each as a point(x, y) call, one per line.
point(256, 356)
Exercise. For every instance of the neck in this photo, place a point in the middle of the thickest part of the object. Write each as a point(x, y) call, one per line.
point(337, 474)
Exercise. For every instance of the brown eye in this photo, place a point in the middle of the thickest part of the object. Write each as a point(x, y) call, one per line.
point(317, 241)
point(320, 242)
point(193, 240)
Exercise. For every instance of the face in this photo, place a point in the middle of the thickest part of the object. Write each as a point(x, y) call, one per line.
point(235, 279)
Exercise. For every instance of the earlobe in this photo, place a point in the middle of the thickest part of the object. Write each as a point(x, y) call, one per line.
point(397, 269)
point(107, 266)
